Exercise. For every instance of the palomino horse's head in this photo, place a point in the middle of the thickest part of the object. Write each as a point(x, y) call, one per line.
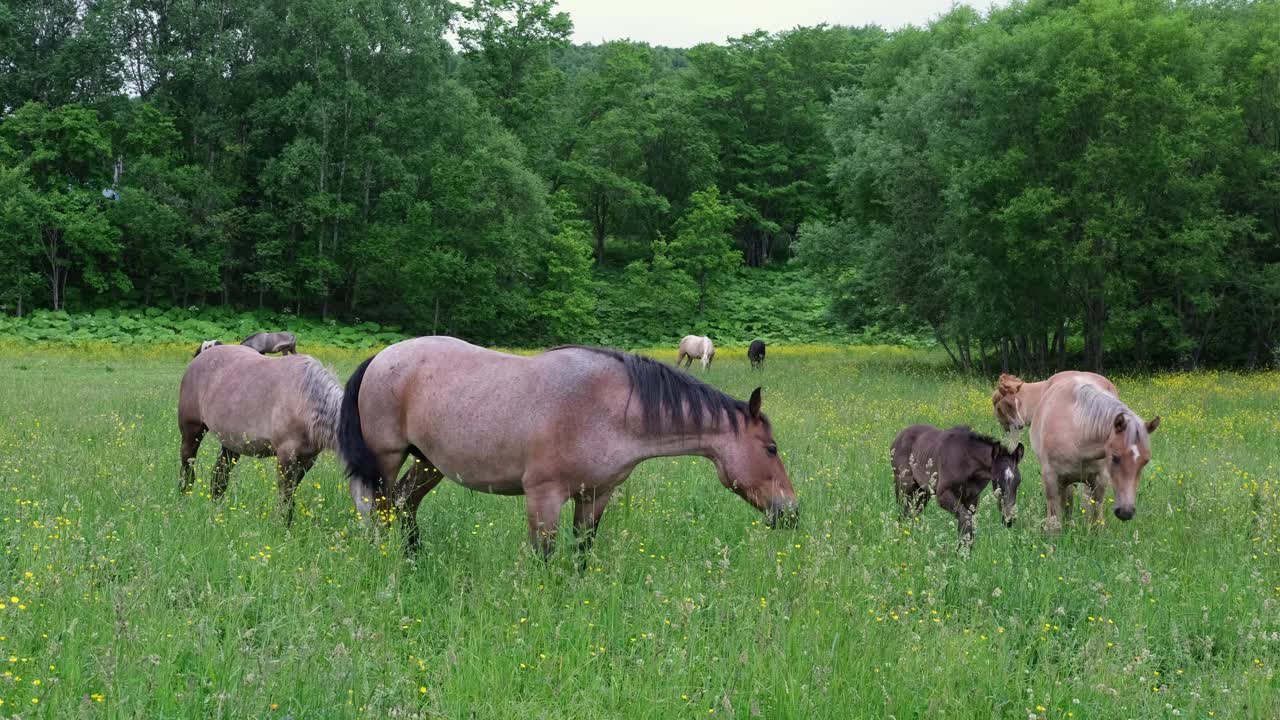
point(205, 346)
point(1128, 450)
point(750, 467)
point(1006, 477)
point(1008, 408)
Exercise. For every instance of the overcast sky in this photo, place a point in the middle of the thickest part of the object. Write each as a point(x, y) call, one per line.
point(684, 23)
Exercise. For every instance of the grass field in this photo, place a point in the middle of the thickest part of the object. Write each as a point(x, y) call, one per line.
point(122, 598)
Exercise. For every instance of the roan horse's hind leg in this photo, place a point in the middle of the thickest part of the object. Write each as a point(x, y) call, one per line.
point(587, 509)
point(191, 437)
point(221, 470)
point(421, 478)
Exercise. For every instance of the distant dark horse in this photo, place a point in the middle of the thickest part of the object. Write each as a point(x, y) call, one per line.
point(284, 343)
point(572, 422)
point(956, 465)
point(755, 354)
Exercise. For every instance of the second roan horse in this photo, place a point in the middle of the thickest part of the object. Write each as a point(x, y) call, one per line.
point(571, 423)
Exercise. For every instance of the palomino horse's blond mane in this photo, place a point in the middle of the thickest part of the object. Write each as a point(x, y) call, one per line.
point(1096, 411)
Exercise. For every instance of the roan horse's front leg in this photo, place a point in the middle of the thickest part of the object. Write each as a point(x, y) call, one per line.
point(588, 506)
point(1052, 500)
point(543, 502)
point(221, 471)
point(290, 471)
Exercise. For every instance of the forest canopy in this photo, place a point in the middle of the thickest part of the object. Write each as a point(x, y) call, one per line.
point(1046, 184)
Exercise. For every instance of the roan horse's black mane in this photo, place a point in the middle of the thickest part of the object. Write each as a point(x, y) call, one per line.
point(687, 402)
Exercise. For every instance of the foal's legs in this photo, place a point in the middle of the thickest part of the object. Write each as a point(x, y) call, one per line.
point(963, 508)
point(588, 506)
point(221, 470)
point(420, 479)
point(192, 434)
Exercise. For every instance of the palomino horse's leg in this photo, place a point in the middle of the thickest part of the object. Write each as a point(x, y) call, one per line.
point(420, 479)
point(1097, 498)
point(191, 437)
point(543, 501)
point(1052, 500)
point(290, 471)
point(221, 470)
point(588, 506)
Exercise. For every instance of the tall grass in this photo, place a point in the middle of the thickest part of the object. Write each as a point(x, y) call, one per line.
point(123, 598)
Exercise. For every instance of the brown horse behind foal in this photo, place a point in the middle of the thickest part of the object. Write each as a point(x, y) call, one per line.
point(1083, 433)
point(1015, 402)
point(257, 406)
point(572, 422)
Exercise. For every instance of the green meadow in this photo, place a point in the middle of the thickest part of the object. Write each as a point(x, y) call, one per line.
point(123, 598)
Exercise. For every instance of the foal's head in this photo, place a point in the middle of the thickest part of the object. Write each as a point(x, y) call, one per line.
point(1128, 450)
point(1008, 408)
point(750, 467)
point(1005, 478)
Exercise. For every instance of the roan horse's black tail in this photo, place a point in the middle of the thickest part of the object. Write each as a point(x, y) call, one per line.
point(355, 453)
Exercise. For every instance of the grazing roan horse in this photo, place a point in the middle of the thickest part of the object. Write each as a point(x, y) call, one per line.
point(755, 353)
point(572, 422)
point(696, 346)
point(956, 465)
point(1015, 402)
point(284, 343)
point(258, 406)
point(1083, 433)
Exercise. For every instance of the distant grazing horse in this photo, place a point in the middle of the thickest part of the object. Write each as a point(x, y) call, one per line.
point(755, 354)
point(284, 343)
point(956, 465)
point(572, 422)
point(1081, 432)
point(206, 345)
point(257, 406)
point(696, 346)
point(1015, 402)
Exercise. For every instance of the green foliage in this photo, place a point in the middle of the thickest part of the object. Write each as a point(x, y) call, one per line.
point(702, 247)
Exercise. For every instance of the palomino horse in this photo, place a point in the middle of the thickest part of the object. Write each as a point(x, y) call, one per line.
point(285, 343)
point(572, 422)
point(696, 346)
point(1083, 433)
point(258, 406)
point(755, 354)
point(1015, 402)
point(956, 465)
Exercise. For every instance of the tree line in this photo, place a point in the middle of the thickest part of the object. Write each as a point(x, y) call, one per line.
point(1051, 178)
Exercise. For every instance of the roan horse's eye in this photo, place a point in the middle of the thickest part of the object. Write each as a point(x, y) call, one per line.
point(1115, 459)
point(771, 449)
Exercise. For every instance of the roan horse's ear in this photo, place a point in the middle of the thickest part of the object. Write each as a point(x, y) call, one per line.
point(1120, 422)
point(753, 405)
point(1152, 424)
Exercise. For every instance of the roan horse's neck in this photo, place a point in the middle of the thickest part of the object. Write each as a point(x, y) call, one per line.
point(709, 444)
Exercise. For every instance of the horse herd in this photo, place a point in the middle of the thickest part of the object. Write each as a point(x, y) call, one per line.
point(573, 422)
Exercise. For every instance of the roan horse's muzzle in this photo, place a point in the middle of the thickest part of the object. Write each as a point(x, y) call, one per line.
point(1124, 513)
point(783, 513)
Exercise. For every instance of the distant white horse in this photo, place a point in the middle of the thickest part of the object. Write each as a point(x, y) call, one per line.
point(696, 346)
